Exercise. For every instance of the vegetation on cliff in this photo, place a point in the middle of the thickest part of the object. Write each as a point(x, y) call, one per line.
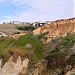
point(26, 28)
point(59, 53)
point(10, 46)
point(62, 54)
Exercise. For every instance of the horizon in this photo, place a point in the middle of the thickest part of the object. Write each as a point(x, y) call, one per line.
point(33, 11)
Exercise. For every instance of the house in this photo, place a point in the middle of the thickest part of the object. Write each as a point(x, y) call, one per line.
point(38, 24)
point(14, 22)
point(3, 34)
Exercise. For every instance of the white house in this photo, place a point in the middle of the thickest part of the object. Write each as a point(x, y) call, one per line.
point(14, 22)
point(3, 34)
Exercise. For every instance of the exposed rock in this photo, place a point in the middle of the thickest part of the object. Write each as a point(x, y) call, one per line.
point(68, 73)
point(0, 63)
point(37, 31)
point(8, 68)
point(18, 66)
point(29, 46)
point(12, 68)
point(25, 66)
point(16, 36)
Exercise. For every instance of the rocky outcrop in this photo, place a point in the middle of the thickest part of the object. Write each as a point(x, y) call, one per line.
point(29, 46)
point(57, 28)
point(37, 31)
point(68, 73)
point(14, 68)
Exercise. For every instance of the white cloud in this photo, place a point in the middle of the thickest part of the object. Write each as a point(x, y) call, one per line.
point(33, 10)
point(3, 1)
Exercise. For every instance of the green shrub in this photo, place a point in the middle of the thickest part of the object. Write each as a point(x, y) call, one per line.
point(71, 59)
point(26, 28)
point(17, 33)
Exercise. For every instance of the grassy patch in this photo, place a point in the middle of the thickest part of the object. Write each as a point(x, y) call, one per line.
point(19, 47)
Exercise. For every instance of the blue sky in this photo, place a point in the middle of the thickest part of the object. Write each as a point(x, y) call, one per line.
point(35, 10)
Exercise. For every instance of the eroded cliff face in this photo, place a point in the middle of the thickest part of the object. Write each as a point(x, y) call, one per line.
point(14, 68)
point(57, 28)
point(16, 36)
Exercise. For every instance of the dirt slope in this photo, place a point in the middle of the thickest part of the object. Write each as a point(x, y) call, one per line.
point(57, 28)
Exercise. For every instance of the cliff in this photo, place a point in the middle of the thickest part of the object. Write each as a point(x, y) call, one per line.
point(14, 68)
point(28, 56)
point(57, 28)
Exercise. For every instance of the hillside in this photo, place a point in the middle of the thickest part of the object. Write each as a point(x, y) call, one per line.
point(56, 29)
point(56, 57)
point(60, 53)
point(10, 46)
point(50, 52)
point(10, 28)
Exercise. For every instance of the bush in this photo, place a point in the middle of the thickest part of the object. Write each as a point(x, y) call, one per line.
point(56, 60)
point(69, 40)
point(26, 28)
point(71, 59)
point(17, 33)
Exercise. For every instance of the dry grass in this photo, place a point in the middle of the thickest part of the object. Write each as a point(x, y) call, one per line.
point(10, 28)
